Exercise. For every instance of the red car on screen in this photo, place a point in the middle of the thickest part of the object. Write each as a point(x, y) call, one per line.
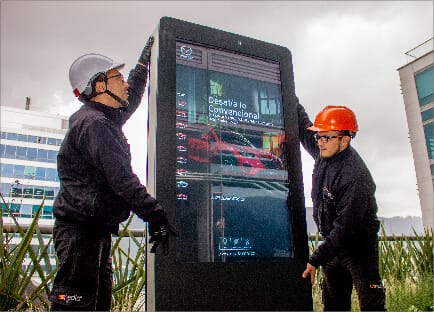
point(230, 148)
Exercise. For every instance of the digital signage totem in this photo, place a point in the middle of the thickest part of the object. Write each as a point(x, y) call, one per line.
point(224, 160)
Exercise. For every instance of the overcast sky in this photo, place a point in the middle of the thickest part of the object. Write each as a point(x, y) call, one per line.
point(344, 53)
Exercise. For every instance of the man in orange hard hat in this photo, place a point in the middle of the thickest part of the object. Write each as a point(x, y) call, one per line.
point(345, 211)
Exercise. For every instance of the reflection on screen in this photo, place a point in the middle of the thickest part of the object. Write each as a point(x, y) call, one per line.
point(231, 178)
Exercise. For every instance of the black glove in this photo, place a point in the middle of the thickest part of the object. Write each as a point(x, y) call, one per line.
point(146, 53)
point(160, 230)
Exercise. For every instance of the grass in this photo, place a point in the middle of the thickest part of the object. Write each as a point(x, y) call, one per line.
point(406, 266)
point(410, 296)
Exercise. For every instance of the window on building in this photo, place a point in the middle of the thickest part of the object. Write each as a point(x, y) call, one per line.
point(38, 193)
point(21, 152)
point(28, 191)
point(3, 135)
point(429, 137)
point(19, 171)
point(269, 104)
point(42, 155)
point(7, 170)
point(26, 210)
point(28, 153)
point(10, 151)
point(51, 141)
point(47, 212)
point(425, 86)
point(11, 136)
point(22, 137)
point(29, 172)
point(35, 208)
point(427, 114)
point(51, 174)
point(49, 193)
point(16, 191)
point(10, 208)
point(5, 189)
point(31, 153)
point(32, 139)
point(40, 173)
point(52, 156)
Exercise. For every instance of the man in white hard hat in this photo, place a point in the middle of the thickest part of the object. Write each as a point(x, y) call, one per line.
point(98, 189)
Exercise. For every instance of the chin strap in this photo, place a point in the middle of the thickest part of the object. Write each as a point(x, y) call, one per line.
point(93, 93)
point(122, 102)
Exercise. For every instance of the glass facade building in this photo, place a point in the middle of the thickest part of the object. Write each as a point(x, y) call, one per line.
point(29, 145)
point(417, 84)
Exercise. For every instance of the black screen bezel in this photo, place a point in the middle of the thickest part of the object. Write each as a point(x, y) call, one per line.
point(227, 286)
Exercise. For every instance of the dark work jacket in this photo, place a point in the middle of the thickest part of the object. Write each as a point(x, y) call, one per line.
point(98, 188)
point(343, 196)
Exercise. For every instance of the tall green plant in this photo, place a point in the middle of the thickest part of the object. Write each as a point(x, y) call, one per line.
point(406, 258)
point(409, 285)
point(129, 273)
point(17, 291)
point(421, 252)
point(406, 266)
point(313, 246)
point(394, 260)
point(317, 286)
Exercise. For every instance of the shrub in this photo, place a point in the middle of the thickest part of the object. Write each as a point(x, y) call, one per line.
point(17, 289)
point(406, 266)
point(129, 271)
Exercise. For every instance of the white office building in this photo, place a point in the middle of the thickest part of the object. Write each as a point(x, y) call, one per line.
point(417, 85)
point(30, 142)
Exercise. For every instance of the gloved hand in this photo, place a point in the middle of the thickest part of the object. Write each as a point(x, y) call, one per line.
point(146, 53)
point(161, 236)
point(160, 230)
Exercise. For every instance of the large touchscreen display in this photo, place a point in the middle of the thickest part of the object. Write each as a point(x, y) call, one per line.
point(231, 175)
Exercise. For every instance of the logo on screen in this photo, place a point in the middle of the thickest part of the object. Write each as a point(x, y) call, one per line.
point(186, 53)
point(236, 246)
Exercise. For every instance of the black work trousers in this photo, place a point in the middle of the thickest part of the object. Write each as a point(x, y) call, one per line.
point(362, 270)
point(84, 278)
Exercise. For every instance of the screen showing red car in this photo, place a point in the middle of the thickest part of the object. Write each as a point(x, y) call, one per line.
point(231, 177)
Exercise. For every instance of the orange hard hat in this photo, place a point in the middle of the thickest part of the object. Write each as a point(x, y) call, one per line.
point(335, 118)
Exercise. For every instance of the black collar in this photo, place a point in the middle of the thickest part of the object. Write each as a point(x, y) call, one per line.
point(111, 113)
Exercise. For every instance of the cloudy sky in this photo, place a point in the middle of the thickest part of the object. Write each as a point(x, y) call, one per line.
point(344, 53)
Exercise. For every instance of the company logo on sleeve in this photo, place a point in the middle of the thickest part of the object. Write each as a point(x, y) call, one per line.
point(69, 298)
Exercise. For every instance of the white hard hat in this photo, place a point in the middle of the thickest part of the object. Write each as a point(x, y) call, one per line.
point(88, 67)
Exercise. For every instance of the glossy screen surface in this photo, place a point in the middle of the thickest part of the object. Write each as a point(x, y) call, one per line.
point(231, 177)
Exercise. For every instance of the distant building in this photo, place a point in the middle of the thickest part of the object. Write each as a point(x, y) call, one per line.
point(417, 84)
point(29, 145)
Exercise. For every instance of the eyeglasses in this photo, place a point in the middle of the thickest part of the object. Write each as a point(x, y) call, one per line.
point(326, 138)
point(116, 76)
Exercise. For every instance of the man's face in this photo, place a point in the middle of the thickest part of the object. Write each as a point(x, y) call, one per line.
point(117, 85)
point(331, 142)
